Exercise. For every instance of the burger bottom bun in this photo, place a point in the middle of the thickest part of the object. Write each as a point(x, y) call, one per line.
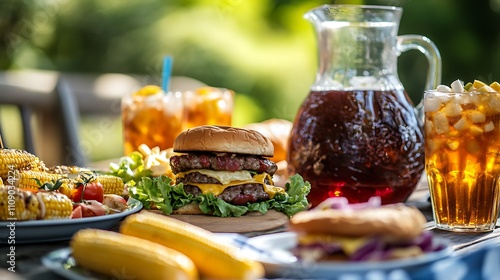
point(395, 220)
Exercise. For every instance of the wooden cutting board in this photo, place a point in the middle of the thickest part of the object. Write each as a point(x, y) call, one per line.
point(251, 222)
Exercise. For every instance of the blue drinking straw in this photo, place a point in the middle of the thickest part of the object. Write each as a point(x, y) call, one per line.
point(166, 72)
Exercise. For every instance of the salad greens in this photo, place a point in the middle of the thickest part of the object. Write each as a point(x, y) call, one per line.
point(130, 168)
point(158, 193)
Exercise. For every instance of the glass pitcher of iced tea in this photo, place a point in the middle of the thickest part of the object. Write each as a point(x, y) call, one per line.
point(358, 134)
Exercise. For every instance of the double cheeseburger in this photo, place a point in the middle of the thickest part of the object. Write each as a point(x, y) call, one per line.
point(228, 170)
point(336, 230)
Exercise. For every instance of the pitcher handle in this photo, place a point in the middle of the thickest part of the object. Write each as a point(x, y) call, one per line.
point(429, 49)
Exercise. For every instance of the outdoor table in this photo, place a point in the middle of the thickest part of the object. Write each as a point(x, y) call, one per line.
point(29, 266)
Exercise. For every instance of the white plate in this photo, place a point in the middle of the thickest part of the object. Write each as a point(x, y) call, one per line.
point(278, 261)
point(56, 230)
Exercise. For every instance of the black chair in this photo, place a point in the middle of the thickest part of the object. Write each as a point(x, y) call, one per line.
point(54, 138)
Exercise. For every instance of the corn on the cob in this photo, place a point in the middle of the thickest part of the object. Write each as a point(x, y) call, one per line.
point(54, 205)
point(67, 170)
point(17, 204)
point(111, 184)
point(30, 179)
point(213, 259)
point(29, 205)
point(118, 255)
point(14, 159)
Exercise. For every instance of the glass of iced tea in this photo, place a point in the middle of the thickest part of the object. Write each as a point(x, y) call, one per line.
point(462, 155)
point(208, 106)
point(151, 117)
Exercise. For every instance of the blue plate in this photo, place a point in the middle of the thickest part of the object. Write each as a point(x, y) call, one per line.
point(57, 230)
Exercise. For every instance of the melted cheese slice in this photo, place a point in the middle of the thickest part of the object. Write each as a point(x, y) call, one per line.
point(348, 244)
point(351, 245)
point(228, 179)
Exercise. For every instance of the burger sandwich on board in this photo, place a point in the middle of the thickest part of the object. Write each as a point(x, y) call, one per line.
point(226, 171)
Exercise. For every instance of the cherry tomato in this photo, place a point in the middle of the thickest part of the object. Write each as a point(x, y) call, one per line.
point(91, 191)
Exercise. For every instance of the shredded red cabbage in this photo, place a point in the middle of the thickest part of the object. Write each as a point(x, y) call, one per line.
point(342, 203)
point(376, 249)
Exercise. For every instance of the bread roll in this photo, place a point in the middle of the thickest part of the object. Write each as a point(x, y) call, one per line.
point(278, 131)
point(394, 220)
point(223, 139)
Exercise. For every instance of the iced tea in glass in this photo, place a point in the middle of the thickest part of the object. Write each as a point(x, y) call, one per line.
point(208, 106)
point(151, 117)
point(462, 149)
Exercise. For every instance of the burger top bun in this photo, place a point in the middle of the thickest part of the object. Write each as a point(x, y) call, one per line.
point(223, 139)
point(278, 131)
point(394, 220)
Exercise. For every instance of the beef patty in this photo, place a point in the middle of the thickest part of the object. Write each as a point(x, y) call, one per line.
point(237, 195)
point(222, 162)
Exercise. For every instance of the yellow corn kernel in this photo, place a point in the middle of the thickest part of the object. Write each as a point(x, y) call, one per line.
point(29, 205)
point(111, 184)
point(214, 259)
point(27, 179)
point(18, 204)
point(55, 205)
point(12, 160)
point(114, 254)
point(67, 170)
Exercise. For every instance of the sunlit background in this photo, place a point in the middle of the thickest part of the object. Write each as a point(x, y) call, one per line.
point(262, 49)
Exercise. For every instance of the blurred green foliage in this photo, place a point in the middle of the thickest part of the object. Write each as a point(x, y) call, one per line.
point(262, 49)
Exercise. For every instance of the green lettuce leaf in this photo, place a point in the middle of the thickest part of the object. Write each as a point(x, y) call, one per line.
point(130, 168)
point(159, 193)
